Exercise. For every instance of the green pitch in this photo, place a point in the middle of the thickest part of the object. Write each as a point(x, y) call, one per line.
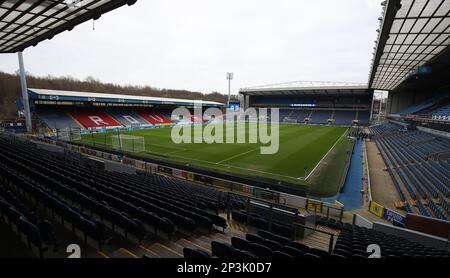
point(322, 150)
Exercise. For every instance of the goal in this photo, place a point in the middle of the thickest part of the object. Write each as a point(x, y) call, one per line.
point(128, 143)
point(68, 134)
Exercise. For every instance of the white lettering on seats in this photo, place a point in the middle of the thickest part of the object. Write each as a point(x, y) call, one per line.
point(130, 119)
point(97, 120)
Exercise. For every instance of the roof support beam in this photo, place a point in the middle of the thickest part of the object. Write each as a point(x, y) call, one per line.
point(53, 18)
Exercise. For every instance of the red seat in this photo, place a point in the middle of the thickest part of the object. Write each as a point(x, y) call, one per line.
point(155, 118)
point(95, 119)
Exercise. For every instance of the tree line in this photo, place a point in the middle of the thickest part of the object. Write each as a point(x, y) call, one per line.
point(10, 90)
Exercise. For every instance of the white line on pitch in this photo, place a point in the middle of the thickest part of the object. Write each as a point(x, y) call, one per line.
point(314, 169)
point(236, 167)
point(177, 151)
point(235, 156)
point(258, 171)
point(165, 146)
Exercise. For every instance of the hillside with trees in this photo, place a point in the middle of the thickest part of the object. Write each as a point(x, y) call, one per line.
point(10, 90)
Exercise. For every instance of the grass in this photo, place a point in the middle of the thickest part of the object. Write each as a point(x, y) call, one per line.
point(299, 146)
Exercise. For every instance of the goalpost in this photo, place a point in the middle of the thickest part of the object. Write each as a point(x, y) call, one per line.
point(69, 134)
point(128, 143)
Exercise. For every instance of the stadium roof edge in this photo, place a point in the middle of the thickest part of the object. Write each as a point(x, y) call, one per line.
point(292, 88)
point(26, 23)
point(413, 34)
point(58, 95)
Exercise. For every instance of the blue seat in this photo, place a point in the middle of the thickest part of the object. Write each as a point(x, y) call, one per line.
point(281, 255)
point(295, 253)
point(254, 238)
point(189, 253)
point(244, 255)
point(222, 250)
point(273, 245)
point(260, 251)
point(240, 243)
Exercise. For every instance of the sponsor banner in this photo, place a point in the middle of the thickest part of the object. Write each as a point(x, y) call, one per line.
point(221, 183)
point(247, 189)
point(178, 173)
point(392, 216)
point(313, 205)
point(266, 195)
point(165, 170)
point(202, 179)
point(376, 209)
point(190, 176)
point(151, 168)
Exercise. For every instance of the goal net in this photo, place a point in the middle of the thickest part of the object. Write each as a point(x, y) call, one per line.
point(68, 134)
point(128, 143)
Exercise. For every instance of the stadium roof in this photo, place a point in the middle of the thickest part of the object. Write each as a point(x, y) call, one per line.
point(413, 33)
point(311, 87)
point(25, 23)
point(56, 95)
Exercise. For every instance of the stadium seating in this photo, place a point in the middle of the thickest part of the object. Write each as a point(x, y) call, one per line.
point(364, 117)
point(409, 157)
point(112, 196)
point(415, 109)
point(341, 117)
point(344, 117)
point(155, 118)
point(56, 118)
point(95, 119)
point(264, 245)
point(38, 232)
point(442, 113)
point(284, 115)
point(321, 116)
point(300, 115)
point(353, 242)
point(127, 117)
point(189, 253)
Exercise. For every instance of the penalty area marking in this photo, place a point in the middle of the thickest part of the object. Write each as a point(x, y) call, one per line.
point(231, 166)
point(176, 149)
point(236, 156)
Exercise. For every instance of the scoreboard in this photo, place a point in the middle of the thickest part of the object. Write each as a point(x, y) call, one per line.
point(234, 106)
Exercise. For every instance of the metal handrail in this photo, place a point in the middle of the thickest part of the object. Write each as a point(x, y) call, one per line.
point(331, 242)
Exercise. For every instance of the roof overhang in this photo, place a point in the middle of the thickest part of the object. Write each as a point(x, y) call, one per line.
point(307, 88)
point(57, 95)
point(25, 23)
point(413, 34)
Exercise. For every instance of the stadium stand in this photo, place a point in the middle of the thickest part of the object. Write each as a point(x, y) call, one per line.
point(321, 116)
point(416, 109)
point(38, 232)
point(127, 117)
point(113, 196)
point(56, 118)
point(442, 113)
point(344, 117)
point(353, 242)
point(314, 102)
point(409, 157)
point(94, 118)
point(155, 118)
point(363, 117)
point(101, 204)
point(301, 115)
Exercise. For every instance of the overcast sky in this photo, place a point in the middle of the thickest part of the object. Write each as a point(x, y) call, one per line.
point(191, 44)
